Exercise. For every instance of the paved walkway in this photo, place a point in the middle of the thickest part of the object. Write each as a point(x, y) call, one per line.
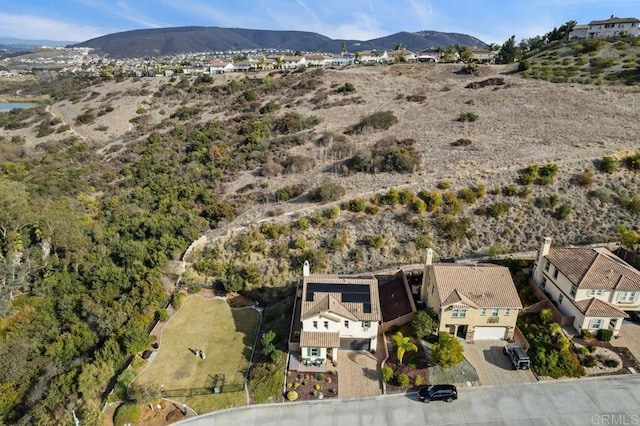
point(358, 375)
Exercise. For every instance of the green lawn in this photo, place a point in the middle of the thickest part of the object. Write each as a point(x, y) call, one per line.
point(227, 339)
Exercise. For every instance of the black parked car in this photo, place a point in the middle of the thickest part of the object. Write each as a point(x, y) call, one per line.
point(438, 393)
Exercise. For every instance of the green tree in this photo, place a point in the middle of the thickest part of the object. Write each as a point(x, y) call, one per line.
point(448, 351)
point(508, 51)
point(630, 238)
point(424, 323)
point(403, 344)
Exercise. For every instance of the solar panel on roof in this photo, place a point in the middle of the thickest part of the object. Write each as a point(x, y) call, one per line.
point(351, 293)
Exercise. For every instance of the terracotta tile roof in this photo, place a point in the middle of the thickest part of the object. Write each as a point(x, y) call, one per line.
point(320, 339)
point(483, 285)
point(595, 268)
point(354, 298)
point(595, 307)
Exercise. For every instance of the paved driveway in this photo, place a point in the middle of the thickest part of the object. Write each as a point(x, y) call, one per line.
point(358, 375)
point(498, 369)
point(629, 338)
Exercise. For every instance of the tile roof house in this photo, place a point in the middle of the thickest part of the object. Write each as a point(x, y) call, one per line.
point(605, 28)
point(592, 285)
point(476, 302)
point(336, 312)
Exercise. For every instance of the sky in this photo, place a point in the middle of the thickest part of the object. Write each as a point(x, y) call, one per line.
point(492, 21)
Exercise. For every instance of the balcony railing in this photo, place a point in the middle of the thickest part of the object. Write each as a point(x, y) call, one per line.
point(492, 320)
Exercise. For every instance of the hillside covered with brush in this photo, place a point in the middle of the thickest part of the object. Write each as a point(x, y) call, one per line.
point(109, 181)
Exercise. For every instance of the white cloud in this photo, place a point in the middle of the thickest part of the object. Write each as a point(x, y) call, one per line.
point(36, 27)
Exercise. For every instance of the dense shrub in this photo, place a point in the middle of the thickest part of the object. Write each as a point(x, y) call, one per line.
point(547, 202)
point(470, 69)
point(608, 164)
point(375, 241)
point(327, 192)
point(524, 65)
point(589, 361)
point(432, 199)
point(269, 107)
point(467, 117)
point(177, 299)
point(377, 121)
point(387, 155)
point(288, 192)
point(403, 380)
point(346, 88)
point(292, 395)
point(633, 161)
point(563, 211)
point(584, 179)
point(605, 335)
point(387, 374)
point(528, 175)
point(498, 209)
point(356, 205)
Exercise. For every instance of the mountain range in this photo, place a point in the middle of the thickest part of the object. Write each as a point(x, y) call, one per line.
point(169, 41)
point(21, 45)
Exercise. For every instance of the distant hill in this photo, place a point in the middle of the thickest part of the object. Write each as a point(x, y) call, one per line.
point(165, 41)
point(21, 45)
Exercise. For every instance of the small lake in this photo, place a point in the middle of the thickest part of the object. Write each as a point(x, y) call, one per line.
point(8, 106)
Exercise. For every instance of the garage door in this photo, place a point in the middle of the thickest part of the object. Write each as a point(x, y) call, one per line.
point(489, 333)
point(355, 344)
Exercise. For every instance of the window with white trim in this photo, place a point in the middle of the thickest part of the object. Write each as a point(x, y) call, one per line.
point(366, 324)
point(313, 351)
point(315, 324)
point(483, 312)
point(560, 299)
point(506, 312)
point(544, 282)
point(626, 296)
point(595, 324)
point(459, 313)
point(546, 265)
point(326, 324)
point(555, 273)
point(595, 292)
point(574, 290)
point(495, 312)
point(346, 323)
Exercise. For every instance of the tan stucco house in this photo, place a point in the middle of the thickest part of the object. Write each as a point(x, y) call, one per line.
point(592, 285)
point(473, 301)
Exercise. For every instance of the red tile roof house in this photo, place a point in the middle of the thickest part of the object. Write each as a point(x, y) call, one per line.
point(591, 284)
point(473, 301)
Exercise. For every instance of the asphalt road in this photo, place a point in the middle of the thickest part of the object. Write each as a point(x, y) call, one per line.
point(597, 401)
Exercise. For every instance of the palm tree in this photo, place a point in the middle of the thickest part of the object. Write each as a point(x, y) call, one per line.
point(402, 345)
point(555, 328)
point(546, 316)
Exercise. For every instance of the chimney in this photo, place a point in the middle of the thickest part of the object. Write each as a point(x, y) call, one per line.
point(539, 265)
point(429, 260)
point(305, 269)
point(546, 245)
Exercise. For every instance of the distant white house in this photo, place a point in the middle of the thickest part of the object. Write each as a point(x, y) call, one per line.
point(606, 28)
point(217, 66)
point(373, 56)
